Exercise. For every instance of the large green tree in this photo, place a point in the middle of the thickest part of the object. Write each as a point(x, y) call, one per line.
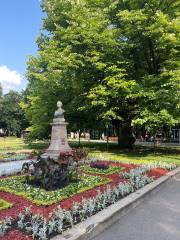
point(70, 61)
point(147, 93)
point(116, 61)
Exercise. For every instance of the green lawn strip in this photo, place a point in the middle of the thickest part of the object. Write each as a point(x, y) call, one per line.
point(4, 204)
point(139, 154)
point(137, 157)
point(17, 144)
point(107, 171)
point(13, 156)
point(11, 143)
point(40, 196)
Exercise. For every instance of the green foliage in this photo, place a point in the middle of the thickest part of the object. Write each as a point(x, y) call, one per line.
point(4, 205)
point(108, 171)
point(0, 91)
point(70, 61)
point(154, 121)
point(12, 118)
point(115, 61)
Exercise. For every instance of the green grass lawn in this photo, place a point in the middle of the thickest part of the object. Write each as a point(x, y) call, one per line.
point(11, 143)
point(16, 148)
point(17, 144)
point(138, 155)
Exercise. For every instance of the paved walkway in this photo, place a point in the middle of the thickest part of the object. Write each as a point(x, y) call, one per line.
point(11, 167)
point(155, 219)
point(161, 144)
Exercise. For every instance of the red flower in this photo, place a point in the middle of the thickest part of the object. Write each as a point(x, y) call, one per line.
point(17, 235)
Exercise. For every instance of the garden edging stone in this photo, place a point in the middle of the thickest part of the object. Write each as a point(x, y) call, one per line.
point(96, 224)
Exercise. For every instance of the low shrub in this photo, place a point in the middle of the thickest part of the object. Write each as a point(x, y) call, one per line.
point(99, 165)
point(101, 168)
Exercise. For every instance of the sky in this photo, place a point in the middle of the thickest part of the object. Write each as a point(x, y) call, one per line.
point(20, 23)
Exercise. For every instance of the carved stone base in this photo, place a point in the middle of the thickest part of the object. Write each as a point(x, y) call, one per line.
point(59, 141)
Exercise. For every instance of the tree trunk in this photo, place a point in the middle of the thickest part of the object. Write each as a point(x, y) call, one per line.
point(118, 133)
point(79, 138)
point(107, 141)
point(126, 138)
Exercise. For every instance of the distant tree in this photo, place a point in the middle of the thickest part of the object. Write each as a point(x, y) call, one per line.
point(1, 123)
point(12, 118)
point(1, 92)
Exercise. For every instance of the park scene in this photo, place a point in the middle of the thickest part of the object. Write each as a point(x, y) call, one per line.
point(90, 125)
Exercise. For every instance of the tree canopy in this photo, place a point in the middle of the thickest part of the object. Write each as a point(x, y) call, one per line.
point(115, 61)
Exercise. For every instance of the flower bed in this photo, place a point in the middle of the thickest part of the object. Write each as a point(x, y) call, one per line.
point(17, 235)
point(4, 205)
point(108, 171)
point(52, 212)
point(18, 186)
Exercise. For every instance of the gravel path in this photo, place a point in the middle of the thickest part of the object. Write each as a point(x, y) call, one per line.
point(12, 167)
point(157, 218)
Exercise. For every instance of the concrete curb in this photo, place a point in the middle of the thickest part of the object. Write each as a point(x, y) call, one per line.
point(105, 218)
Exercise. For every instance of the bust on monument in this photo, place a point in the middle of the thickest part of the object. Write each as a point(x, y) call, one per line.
point(59, 113)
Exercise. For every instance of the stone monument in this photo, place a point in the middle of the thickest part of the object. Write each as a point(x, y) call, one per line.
point(59, 141)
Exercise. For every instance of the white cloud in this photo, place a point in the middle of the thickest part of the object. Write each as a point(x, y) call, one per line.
point(9, 79)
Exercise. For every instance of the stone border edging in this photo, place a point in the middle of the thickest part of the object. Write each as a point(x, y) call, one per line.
point(96, 224)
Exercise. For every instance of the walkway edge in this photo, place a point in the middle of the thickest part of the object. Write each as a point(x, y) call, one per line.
point(105, 218)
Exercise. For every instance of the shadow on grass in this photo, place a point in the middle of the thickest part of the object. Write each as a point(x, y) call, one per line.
point(135, 153)
point(113, 149)
point(37, 146)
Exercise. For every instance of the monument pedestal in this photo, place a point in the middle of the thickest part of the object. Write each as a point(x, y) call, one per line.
point(59, 141)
